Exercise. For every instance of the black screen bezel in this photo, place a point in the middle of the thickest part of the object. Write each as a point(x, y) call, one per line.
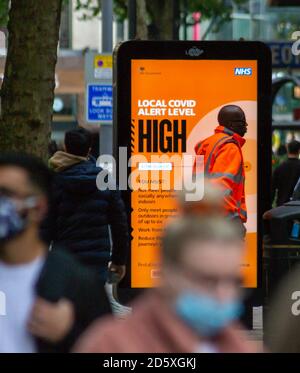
point(210, 50)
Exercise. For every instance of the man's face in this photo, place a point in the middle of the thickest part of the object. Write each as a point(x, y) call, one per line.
point(213, 270)
point(238, 122)
point(16, 186)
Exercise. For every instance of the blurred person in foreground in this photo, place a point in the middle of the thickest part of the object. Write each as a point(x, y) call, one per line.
point(287, 175)
point(82, 216)
point(198, 302)
point(50, 298)
point(282, 331)
point(212, 205)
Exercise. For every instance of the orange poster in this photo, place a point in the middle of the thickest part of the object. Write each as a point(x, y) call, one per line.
point(175, 104)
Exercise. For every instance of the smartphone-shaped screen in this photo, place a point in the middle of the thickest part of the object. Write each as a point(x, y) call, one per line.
point(174, 105)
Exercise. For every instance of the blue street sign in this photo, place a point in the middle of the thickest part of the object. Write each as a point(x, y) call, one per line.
point(99, 103)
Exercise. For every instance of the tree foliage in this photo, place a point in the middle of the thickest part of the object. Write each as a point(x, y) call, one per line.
point(4, 8)
point(212, 8)
point(89, 8)
point(219, 11)
point(208, 8)
point(92, 8)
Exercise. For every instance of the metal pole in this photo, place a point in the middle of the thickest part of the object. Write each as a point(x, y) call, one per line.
point(176, 19)
point(132, 18)
point(185, 14)
point(106, 131)
point(107, 24)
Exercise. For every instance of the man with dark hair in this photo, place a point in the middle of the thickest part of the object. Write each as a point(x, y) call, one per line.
point(196, 306)
point(83, 216)
point(49, 297)
point(286, 175)
point(78, 142)
point(223, 161)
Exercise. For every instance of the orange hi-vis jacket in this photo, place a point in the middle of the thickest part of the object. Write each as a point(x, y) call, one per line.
point(224, 166)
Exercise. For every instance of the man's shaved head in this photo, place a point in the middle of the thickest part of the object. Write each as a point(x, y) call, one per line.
point(233, 118)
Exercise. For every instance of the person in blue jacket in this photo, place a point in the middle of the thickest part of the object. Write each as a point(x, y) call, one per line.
point(83, 219)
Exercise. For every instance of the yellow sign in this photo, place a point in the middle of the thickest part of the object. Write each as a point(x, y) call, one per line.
point(103, 62)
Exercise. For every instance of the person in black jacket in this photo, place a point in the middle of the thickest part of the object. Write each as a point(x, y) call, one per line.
point(47, 299)
point(84, 219)
point(286, 175)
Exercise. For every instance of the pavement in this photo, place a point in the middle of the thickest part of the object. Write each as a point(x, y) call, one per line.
point(257, 333)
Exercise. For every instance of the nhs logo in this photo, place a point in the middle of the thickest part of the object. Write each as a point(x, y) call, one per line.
point(246, 71)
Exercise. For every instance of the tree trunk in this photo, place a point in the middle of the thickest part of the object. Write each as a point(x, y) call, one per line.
point(29, 79)
point(141, 18)
point(165, 19)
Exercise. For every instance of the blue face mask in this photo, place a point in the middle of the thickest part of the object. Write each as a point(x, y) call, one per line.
point(206, 315)
point(11, 222)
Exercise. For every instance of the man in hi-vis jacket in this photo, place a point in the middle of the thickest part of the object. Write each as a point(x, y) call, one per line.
point(223, 161)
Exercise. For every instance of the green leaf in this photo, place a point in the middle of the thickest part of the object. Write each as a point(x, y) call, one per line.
point(4, 9)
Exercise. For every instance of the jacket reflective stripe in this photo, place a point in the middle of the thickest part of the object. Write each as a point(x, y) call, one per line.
point(243, 212)
point(233, 215)
point(222, 141)
point(228, 132)
point(227, 192)
point(212, 152)
point(225, 170)
point(217, 175)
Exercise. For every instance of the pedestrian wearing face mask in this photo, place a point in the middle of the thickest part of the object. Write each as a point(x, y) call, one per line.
point(49, 299)
point(198, 302)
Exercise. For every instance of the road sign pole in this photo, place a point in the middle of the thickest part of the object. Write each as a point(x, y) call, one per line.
point(107, 26)
point(132, 18)
point(106, 131)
